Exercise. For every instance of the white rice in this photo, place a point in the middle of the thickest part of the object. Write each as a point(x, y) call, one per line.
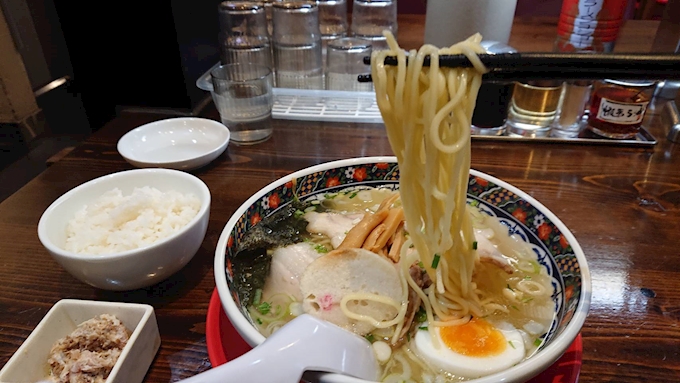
point(115, 223)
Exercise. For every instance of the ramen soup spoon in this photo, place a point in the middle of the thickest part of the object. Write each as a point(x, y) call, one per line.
point(303, 344)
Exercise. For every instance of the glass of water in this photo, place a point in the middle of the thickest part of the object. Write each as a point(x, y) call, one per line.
point(297, 45)
point(371, 17)
point(345, 62)
point(243, 33)
point(243, 96)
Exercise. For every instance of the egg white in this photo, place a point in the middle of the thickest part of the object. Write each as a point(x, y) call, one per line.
point(471, 366)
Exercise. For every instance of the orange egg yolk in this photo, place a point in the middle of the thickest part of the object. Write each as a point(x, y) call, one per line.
point(475, 338)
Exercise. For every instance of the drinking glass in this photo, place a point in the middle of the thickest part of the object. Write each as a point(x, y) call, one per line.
point(493, 99)
point(618, 107)
point(491, 110)
point(297, 45)
point(243, 96)
point(533, 108)
point(371, 17)
point(571, 108)
point(243, 33)
point(333, 18)
point(345, 62)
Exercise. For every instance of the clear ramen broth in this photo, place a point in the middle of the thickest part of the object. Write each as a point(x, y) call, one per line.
point(516, 293)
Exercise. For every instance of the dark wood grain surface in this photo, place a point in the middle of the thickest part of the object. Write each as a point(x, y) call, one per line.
point(622, 204)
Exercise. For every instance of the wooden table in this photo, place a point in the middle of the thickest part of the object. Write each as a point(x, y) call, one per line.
point(622, 204)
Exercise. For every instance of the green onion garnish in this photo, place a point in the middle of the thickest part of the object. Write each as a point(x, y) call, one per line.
point(435, 261)
point(298, 213)
point(258, 320)
point(421, 315)
point(321, 249)
point(370, 338)
point(515, 307)
point(330, 196)
point(258, 297)
point(420, 264)
point(264, 308)
point(510, 343)
point(474, 245)
point(528, 277)
point(422, 328)
point(537, 342)
point(353, 195)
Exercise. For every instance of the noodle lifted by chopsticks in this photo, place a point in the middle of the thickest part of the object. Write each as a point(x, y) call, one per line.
point(427, 113)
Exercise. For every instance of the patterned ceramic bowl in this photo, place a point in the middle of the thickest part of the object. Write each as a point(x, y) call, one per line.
point(554, 245)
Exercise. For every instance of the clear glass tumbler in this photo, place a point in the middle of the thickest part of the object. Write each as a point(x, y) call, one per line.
point(333, 18)
point(345, 62)
point(243, 33)
point(244, 98)
point(371, 17)
point(533, 108)
point(297, 45)
point(572, 106)
point(618, 107)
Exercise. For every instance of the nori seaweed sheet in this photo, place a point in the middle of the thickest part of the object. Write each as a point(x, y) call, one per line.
point(251, 263)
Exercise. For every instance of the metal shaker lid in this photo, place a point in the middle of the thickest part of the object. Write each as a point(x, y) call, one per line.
point(495, 47)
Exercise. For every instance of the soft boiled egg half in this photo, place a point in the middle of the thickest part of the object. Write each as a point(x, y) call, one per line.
point(475, 349)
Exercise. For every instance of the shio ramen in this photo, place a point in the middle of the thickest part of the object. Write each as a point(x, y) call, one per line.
point(347, 258)
point(440, 289)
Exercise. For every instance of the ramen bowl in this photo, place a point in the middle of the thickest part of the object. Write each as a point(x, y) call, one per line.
point(554, 246)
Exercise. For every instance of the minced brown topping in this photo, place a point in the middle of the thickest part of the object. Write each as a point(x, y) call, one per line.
point(89, 353)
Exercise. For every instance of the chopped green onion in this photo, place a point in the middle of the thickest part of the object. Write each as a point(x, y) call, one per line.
point(330, 196)
point(527, 300)
point(258, 320)
point(421, 315)
point(515, 307)
point(321, 249)
point(528, 277)
point(422, 328)
point(258, 297)
point(537, 342)
point(420, 264)
point(511, 345)
point(370, 338)
point(435, 261)
point(353, 195)
point(298, 213)
point(474, 245)
point(264, 308)
point(408, 336)
point(537, 267)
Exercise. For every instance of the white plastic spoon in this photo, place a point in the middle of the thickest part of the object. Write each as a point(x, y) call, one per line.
point(304, 344)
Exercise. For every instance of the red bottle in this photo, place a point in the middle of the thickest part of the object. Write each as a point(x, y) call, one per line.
point(589, 25)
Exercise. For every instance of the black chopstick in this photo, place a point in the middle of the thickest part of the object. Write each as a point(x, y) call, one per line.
point(563, 66)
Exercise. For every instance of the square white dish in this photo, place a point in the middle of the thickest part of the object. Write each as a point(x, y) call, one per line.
point(29, 362)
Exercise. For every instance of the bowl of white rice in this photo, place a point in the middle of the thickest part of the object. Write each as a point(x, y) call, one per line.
point(127, 230)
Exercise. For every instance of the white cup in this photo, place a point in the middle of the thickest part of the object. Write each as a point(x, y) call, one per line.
point(451, 21)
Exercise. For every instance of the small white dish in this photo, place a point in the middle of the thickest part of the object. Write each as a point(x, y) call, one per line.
point(183, 143)
point(29, 362)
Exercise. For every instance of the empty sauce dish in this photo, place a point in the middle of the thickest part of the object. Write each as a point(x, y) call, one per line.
point(184, 143)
